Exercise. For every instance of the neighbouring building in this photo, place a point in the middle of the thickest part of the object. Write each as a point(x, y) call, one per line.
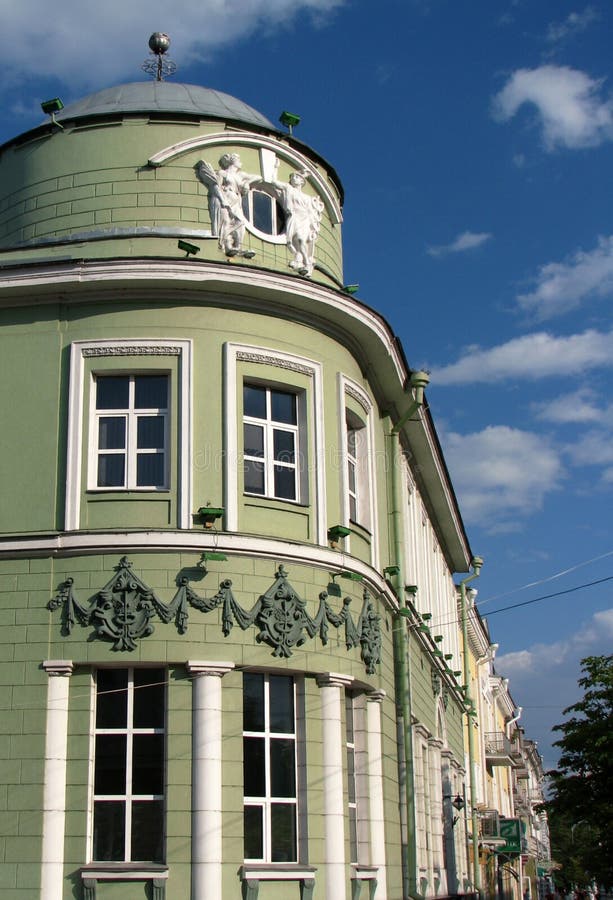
point(227, 532)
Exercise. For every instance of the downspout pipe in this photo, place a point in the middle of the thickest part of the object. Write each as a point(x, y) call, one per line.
point(476, 564)
point(418, 382)
point(515, 719)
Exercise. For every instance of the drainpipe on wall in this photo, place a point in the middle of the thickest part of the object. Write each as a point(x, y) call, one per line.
point(402, 666)
point(476, 564)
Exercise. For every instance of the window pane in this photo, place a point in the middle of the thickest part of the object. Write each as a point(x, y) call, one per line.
point(349, 717)
point(254, 771)
point(110, 764)
point(283, 828)
point(109, 831)
point(149, 698)
point(351, 441)
point(112, 392)
point(262, 212)
point(353, 509)
point(112, 433)
point(254, 401)
point(254, 832)
point(148, 831)
point(111, 698)
point(151, 392)
point(284, 449)
point(351, 473)
point(280, 218)
point(111, 470)
point(285, 483)
point(148, 764)
point(253, 440)
point(253, 702)
point(254, 476)
point(353, 833)
point(350, 775)
point(150, 432)
point(150, 470)
point(282, 704)
point(282, 767)
point(283, 407)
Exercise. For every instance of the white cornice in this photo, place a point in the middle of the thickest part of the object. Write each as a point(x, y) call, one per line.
point(85, 543)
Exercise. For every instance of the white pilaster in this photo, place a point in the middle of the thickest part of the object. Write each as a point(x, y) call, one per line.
point(54, 783)
point(332, 688)
point(207, 740)
point(375, 789)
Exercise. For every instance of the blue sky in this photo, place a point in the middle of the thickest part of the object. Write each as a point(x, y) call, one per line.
point(474, 143)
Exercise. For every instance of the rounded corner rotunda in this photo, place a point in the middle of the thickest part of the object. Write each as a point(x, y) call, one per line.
point(226, 520)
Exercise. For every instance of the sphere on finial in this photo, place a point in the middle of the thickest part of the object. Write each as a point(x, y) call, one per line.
point(159, 43)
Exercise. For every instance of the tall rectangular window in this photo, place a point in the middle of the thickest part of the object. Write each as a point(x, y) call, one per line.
point(129, 765)
point(131, 432)
point(269, 768)
point(352, 781)
point(270, 442)
point(357, 474)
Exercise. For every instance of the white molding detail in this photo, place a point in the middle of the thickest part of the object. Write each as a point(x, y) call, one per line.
point(244, 139)
point(81, 350)
point(54, 779)
point(77, 544)
point(267, 356)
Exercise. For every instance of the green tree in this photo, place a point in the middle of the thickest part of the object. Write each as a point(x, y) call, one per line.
point(580, 808)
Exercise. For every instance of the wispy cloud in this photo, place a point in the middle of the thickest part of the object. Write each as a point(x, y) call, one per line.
point(501, 473)
point(571, 111)
point(467, 240)
point(528, 358)
point(563, 286)
point(574, 23)
point(578, 407)
point(37, 44)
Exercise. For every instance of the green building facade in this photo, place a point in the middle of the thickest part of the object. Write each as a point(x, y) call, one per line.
point(225, 525)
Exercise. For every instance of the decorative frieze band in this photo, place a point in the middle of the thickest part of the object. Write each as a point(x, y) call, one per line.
point(279, 362)
point(122, 612)
point(131, 350)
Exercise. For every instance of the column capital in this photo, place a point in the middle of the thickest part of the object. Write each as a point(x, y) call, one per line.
point(58, 666)
point(200, 667)
point(376, 696)
point(334, 679)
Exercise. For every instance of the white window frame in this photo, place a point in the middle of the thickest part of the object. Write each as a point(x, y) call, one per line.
point(150, 350)
point(130, 451)
point(128, 798)
point(270, 426)
point(275, 237)
point(267, 800)
point(365, 490)
point(313, 414)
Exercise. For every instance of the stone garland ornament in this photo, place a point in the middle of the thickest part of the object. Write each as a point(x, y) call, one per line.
point(122, 611)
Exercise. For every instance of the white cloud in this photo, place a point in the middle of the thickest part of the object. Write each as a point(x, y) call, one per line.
point(593, 449)
point(39, 42)
point(563, 286)
point(527, 358)
point(574, 23)
point(571, 111)
point(579, 407)
point(467, 240)
point(501, 473)
point(543, 677)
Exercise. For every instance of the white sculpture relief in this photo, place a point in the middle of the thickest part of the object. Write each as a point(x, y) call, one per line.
point(303, 220)
point(229, 184)
point(226, 188)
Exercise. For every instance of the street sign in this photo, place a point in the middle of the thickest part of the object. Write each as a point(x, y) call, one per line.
point(510, 830)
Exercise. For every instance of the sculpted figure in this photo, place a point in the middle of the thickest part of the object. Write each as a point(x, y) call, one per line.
point(303, 220)
point(226, 188)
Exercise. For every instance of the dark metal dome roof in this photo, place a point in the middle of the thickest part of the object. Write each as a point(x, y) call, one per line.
point(164, 97)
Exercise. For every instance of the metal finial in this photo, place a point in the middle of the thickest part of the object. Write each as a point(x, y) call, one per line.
point(159, 67)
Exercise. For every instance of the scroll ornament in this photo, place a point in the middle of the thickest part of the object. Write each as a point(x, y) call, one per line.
point(122, 612)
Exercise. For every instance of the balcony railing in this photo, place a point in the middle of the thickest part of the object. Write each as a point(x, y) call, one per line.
point(498, 749)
